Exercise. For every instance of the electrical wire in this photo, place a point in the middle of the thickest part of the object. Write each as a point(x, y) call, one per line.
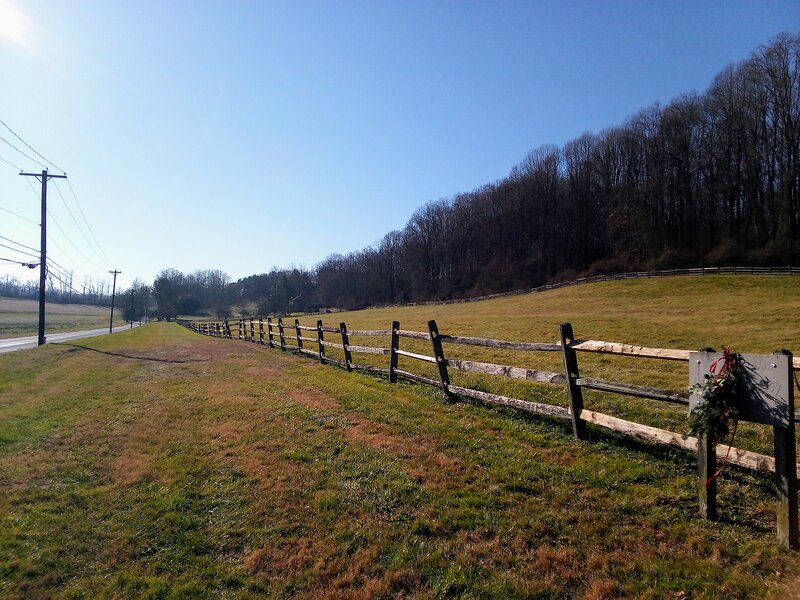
point(78, 225)
point(65, 272)
point(56, 276)
point(89, 260)
point(32, 148)
point(10, 163)
point(18, 250)
point(16, 262)
point(17, 243)
point(98, 247)
point(33, 189)
point(91, 232)
point(41, 164)
point(11, 212)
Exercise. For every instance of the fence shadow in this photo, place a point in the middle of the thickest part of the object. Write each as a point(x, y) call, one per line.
point(128, 356)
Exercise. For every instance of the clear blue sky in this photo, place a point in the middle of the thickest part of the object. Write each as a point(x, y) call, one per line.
point(245, 135)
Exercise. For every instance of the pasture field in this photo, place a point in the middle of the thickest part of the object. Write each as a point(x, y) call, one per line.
point(19, 318)
point(159, 463)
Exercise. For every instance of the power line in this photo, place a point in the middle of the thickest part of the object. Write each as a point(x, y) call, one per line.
point(11, 212)
point(78, 225)
point(32, 148)
point(55, 275)
point(65, 272)
point(99, 247)
point(71, 242)
point(33, 189)
point(29, 157)
point(10, 163)
point(20, 251)
point(17, 243)
point(16, 262)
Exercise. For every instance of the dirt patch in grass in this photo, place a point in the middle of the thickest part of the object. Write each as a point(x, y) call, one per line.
point(314, 398)
point(423, 462)
point(338, 574)
point(131, 467)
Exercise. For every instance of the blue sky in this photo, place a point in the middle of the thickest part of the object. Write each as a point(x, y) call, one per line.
point(246, 135)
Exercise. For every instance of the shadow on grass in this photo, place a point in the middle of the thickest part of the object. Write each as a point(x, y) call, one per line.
point(148, 358)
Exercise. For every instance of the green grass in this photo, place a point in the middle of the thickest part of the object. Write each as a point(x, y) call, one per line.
point(157, 463)
point(19, 318)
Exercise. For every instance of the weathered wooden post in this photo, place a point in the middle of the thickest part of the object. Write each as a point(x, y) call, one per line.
point(269, 332)
point(764, 394)
point(261, 330)
point(438, 352)
point(394, 346)
point(227, 326)
point(252, 330)
point(348, 358)
point(786, 461)
point(321, 342)
point(706, 469)
point(572, 373)
point(281, 333)
point(241, 326)
point(297, 334)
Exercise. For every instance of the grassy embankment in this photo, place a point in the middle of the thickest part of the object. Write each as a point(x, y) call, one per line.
point(160, 463)
point(19, 318)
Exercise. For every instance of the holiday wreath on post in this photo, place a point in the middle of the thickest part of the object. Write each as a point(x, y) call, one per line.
point(716, 415)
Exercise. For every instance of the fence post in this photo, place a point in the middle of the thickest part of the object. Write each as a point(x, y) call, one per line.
point(438, 352)
point(320, 340)
point(572, 373)
point(227, 327)
point(786, 470)
point(394, 346)
point(252, 330)
point(297, 334)
point(706, 467)
point(348, 358)
point(281, 333)
point(241, 325)
point(261, 330)
point(269, 332)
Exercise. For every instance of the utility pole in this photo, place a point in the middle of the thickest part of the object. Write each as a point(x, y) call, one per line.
point(113, 293)
point(44, 178)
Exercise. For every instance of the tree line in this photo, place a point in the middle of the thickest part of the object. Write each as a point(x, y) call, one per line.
point(709, 178)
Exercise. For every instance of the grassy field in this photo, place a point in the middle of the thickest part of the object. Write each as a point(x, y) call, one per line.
point(158, 463)
point(19, 318)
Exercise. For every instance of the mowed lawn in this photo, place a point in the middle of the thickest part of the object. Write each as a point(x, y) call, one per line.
point(19, 317)
point(159, 463)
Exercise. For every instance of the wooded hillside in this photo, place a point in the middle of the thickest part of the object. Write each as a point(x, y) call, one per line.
point(710, 178)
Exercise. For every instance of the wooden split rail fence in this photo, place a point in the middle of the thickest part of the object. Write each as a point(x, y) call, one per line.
point(294, 337)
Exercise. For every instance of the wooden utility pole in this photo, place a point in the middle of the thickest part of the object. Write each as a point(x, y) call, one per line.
point(113, 293)
point(44, 178)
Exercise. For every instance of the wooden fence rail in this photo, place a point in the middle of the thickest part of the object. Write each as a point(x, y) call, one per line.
point(571, 378)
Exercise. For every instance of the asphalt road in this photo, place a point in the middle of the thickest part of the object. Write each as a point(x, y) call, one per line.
point(11, 344)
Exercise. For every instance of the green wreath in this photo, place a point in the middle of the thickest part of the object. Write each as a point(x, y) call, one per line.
point(716, 415)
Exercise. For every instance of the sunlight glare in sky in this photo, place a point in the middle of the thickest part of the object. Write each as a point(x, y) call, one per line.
point(13, 22)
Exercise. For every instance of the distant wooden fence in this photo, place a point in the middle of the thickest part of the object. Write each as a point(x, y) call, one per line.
point(294, 337)
point(627, 275)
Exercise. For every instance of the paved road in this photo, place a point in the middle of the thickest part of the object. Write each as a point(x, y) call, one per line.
point(11, 344)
